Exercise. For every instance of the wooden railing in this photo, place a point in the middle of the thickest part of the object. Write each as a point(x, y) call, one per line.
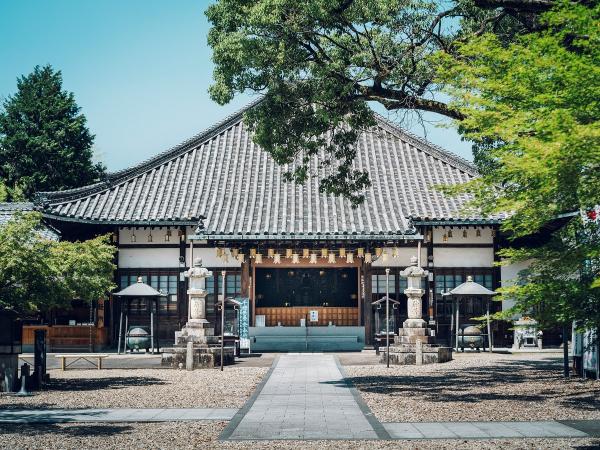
point(290, 316)
point(67, 336)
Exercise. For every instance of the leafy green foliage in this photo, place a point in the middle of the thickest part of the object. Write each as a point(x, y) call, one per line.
point(318, 63)
point(44, 142)
point(37, 273)
point(533, 108)
point(534, 105)
point(557, 285)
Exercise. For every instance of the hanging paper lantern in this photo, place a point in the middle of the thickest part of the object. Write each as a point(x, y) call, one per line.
point(258, 258)
point(295, 258)
point(313, 258)
point(349, 258)
point(360, 252)
point(332, 258)
point(277, 258)
point(445, 237)
point(368, 258)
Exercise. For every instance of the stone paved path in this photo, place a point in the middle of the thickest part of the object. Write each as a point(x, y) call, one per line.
point(305, 397)
point(482, 430)
point(114, 415)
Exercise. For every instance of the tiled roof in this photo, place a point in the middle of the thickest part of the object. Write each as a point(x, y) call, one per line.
point(7, 211)
point(221, 176)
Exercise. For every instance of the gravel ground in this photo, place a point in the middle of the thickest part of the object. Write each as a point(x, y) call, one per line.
point(183, 435)
point(143, 388)
point(477, 387)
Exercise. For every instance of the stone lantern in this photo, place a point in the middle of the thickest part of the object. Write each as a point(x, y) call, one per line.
point(197, 329)
point(414, 275)
point(197, 291)
point(415, 342)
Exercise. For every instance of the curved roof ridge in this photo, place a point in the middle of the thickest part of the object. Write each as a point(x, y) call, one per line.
point(424, 145)
point(147, 164)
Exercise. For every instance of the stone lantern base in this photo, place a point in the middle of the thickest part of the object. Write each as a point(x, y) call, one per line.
point(415, 345)
point(204, 351)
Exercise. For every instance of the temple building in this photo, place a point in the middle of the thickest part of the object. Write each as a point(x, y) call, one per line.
point(289, 248)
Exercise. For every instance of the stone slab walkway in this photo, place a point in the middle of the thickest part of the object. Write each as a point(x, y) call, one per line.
point(114, 415)
point(304, 396)
point(482, 430)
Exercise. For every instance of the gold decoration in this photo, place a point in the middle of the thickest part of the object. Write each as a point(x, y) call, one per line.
point(270, 252)
point(360, 252)
point(368, 258)
point(258, 258)
point(277, 258)
point(332, 258)
point(350, 258)
point(395, 252)
point(305, 253)
point(342, 252)
point(445, 237)
point(378, 251)
point(252, 252)
point(295, 258)
point(313, 258)
point(324, 253)
point(288, 252)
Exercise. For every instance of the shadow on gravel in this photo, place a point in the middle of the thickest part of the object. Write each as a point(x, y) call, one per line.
point(475, 384)
point(84, 430)
point(93, 384)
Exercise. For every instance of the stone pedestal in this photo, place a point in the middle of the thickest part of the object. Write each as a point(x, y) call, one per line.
point(196, 346)
point(414, 343)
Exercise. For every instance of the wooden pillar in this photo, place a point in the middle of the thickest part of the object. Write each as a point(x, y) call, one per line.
point(430, 284)
point(112, 329)
point(182, 298)
point(497, 281)
point(367, 308)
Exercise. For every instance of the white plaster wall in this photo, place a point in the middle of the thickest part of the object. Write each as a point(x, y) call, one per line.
point(508, 275)
point(463, 257)
point(148, 257)
point(403, 258)
point(210, 259)
point(457, 235)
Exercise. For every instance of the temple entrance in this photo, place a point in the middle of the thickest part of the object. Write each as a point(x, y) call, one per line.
point(307, 309)
point(285, 297)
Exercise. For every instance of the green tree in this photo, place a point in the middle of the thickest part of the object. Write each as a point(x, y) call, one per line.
point(37, 273)
point(44, 142)
point(533, 106)
point(319, 62)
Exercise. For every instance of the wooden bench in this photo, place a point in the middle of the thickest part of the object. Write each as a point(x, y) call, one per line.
point(89, 357)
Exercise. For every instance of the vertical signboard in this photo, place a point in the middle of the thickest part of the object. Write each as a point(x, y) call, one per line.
point(244, 323)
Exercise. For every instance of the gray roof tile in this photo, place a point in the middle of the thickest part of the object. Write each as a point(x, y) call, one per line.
point(222, 176)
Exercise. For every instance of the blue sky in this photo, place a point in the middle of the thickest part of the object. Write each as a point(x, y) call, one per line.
point(140, 70)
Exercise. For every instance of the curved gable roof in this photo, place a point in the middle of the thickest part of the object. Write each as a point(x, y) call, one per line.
point(222, 177)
